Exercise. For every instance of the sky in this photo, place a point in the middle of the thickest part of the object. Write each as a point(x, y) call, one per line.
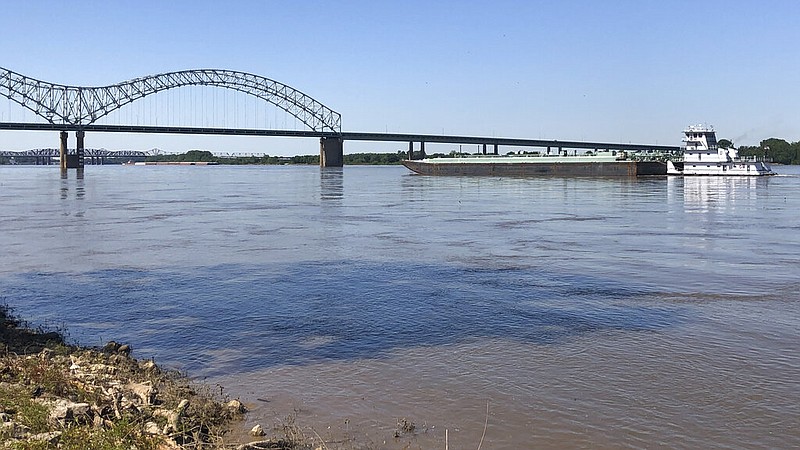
point(606, 71)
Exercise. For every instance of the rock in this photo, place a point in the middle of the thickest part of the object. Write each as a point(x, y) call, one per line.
point(152, 428)
point(46, 354)
point(6, 428)
point(145, 391)
point(173, 416)
point(168, 444)
point(60, 412)
point(257, 431)
point(64, 411)
point(14, 430)
point(262, 445)
point(102, 369)
point(124, 349)
point(236, 407)
point(148, 365)
point(50, 438)
point(111, 347)
point(80, 409)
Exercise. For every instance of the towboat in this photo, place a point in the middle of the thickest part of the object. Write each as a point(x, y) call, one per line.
point(703, 156)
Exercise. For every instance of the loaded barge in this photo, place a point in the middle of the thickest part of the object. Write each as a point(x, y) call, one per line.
point(700, 155)
point(600, 164)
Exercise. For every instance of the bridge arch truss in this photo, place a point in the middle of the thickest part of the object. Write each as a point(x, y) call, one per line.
point(79, 105)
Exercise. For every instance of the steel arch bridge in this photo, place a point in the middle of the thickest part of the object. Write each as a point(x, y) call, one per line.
point(80, 105)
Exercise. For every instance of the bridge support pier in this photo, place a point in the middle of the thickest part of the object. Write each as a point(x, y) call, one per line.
point(418, 155)
point(71, 161)
point(62, 150)
point(331, 152)
point(79, 148)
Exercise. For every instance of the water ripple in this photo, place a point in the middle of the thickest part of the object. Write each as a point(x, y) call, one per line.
point(339, 310)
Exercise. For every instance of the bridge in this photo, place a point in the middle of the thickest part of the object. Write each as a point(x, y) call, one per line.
point(78, 109)
point(94, 156)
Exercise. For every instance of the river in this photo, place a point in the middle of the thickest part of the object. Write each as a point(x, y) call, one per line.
point(580, 313)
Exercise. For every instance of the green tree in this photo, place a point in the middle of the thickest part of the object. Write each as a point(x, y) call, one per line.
point(199, 155)
point(778, 150)
point(305, 159)
point(375, 158)
point(725, 143)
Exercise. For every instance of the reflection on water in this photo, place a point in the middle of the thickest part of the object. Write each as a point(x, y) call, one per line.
point(702, 194)
point(331, 183)
point(77, 185)
point(586, 312)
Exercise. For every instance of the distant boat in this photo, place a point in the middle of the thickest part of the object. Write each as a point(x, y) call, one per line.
point(703, 156)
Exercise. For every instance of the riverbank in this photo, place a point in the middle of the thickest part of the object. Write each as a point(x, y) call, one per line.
point(57, 395)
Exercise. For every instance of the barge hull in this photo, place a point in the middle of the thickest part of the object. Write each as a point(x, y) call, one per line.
point(573, 169)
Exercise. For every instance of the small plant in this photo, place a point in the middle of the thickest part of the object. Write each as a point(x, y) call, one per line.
point(404, 426)
point(17, 402)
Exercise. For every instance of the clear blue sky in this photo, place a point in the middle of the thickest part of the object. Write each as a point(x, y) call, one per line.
point(615, 70)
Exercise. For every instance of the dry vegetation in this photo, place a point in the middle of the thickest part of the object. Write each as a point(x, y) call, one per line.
point(54, 395)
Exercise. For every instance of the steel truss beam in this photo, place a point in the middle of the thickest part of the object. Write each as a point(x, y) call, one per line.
point(89, 153)
point(79, 105)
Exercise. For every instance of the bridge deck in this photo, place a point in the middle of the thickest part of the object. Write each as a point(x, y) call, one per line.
point(347, 136)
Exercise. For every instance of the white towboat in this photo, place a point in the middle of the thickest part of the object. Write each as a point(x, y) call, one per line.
point(702, 156)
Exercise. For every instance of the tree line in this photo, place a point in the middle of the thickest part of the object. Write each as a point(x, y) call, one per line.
point(352, 159)
point(773, 149)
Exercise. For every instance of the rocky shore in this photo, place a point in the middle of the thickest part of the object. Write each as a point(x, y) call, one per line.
point(56, 395)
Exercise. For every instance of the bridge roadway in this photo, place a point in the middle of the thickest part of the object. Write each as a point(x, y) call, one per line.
point(344, 136)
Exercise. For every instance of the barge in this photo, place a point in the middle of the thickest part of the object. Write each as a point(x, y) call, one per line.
point(600, 164)
point(700, 155)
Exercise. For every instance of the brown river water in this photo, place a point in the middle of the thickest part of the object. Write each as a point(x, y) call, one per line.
point(500, 312)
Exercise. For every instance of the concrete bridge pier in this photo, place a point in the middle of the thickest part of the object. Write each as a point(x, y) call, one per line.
point(62, 150)
point(79, 148)
point(331, 152)
point(71, 161)
point(420, 155)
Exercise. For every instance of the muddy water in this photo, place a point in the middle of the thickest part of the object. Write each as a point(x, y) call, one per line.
point(580, 312)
